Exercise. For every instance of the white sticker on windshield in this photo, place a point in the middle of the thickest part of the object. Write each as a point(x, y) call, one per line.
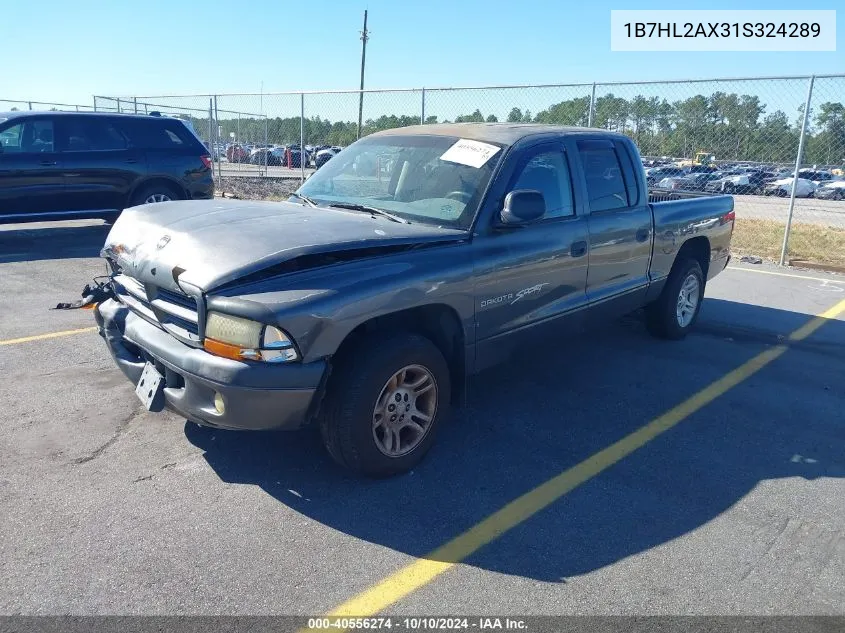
point(472, 153)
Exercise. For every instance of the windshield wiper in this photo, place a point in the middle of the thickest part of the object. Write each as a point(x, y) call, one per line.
point(305, 199)
point(368, 209)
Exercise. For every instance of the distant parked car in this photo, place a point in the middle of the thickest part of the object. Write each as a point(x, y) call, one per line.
point(833, 190)
point(117, 161)
point(653, 176)
point(237, 153)
point(695, 182)
point(819, 177)
point(324, 155)
point(783, 187)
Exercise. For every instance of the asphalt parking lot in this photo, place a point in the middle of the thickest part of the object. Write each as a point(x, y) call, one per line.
point(731, 503)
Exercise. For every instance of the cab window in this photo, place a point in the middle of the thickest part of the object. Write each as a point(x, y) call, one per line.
point(28, 137)
point(548, 173)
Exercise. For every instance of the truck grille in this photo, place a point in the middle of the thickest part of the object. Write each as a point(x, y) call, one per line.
point(175, 312)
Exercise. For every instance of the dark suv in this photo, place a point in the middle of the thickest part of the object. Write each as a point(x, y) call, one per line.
point(92, 165)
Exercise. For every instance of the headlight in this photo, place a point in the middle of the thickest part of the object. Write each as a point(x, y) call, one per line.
point(244, 339)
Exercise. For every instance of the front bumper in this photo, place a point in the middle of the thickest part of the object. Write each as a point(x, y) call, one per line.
point(824, 194)
point(256, 396)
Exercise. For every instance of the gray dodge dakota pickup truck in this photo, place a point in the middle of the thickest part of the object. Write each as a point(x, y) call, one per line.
point(413, 258)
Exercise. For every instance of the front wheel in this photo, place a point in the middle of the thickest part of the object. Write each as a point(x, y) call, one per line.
point(673, 314)
point(384, 402)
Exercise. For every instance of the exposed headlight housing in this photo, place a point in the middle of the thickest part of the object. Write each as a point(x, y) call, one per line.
point(243, 339)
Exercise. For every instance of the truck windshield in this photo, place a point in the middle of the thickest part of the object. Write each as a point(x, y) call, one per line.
point(427, 179)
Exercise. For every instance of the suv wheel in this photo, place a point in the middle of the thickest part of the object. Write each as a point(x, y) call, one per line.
point(151, 194)
point(673, 314)
point(384, 403)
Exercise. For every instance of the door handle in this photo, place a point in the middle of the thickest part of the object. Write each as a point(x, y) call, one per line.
point(642, 235)
point(578, 249)
point(48, 163)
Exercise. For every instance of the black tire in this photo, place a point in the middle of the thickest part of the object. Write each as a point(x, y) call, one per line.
point(155, 189)
point(357, 381)
point(661, 315)
point(729, 188)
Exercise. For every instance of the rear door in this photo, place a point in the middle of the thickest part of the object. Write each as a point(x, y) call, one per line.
point(620, 226)
point(173, 151)
point(100, 165)
point(31, 179)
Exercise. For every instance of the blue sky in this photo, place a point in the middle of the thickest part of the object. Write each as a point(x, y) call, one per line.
point(71, 50)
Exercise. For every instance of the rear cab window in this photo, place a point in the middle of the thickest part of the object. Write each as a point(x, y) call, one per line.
point(609, 175)
point(159, 133)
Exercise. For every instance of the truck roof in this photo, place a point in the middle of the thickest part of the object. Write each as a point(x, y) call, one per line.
point(13, 114)
point(501, 133)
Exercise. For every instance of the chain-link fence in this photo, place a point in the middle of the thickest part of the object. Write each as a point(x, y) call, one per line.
point(11, 105)
point(745, 136)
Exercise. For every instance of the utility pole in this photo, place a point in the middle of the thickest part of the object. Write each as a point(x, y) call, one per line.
point(365, 35)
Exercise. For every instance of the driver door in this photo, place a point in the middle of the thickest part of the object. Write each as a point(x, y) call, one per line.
point(31, 176)
point(531, 280)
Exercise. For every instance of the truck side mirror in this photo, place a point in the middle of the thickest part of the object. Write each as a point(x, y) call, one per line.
point(523, 206)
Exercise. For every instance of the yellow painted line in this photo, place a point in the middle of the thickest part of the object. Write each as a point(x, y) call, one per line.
point(833, 280)
point(41, 337)
point(422, 571)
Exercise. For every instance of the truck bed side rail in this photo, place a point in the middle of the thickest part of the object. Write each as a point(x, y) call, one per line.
point(665, 195)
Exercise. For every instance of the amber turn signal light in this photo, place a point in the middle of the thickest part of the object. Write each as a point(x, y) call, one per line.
point(226, 350)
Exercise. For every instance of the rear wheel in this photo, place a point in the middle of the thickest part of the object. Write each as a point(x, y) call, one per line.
point(673, 314)
point(154, 193)
point(384, 402)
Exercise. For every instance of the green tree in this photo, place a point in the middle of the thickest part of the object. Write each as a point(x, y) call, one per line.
point(571, 112)
point(475, 117)
point(828, 146)
point(515, 115)
point(611, 112)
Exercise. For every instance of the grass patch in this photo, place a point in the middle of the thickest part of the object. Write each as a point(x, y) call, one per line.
point(821, 244)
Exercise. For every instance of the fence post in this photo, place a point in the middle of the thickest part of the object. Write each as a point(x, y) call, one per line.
point(30, 104)
point(797, 167)
point(218, 145)
point(592, 106)
point(210, 124)
point(135, 104)
point(95, 103)
point(422, 108)
point(302, 137)
point(266, 138)
point(118, 105)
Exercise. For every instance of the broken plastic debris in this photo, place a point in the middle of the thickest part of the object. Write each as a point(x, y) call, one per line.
point(751, 259)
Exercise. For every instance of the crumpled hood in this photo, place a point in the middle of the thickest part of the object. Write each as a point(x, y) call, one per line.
point(207, 243)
